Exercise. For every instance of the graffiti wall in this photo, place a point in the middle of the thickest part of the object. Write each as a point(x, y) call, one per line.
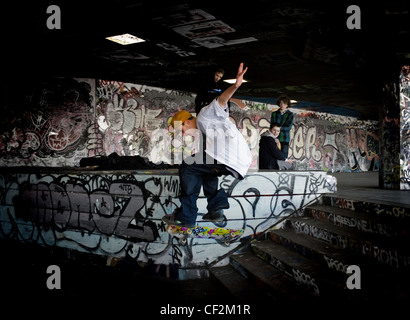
point(389, 174)
point(120, 214)
point(46, 123)
point(56, 123)
point(353, 146)
point(405, 128)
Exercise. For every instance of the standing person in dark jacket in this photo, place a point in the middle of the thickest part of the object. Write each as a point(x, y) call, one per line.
point(270, 154)
point(284, 117)
point(209, 90)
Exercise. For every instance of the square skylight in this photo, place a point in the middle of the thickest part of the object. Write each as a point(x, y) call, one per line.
point(125, 39)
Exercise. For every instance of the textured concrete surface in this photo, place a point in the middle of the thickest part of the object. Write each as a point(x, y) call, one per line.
point(365, 186)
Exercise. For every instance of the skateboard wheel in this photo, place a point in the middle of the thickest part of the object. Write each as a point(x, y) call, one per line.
point(188, 231)
point(233, 234)
point(227, 243)
point(182, 241)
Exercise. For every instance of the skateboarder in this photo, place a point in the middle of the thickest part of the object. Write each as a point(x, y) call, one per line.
point(226, 153)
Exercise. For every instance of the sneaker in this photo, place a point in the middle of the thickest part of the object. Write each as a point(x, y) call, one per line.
point(215, 216)
point(171, 219)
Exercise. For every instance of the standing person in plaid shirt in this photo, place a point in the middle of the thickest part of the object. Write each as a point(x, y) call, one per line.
point(284, 117)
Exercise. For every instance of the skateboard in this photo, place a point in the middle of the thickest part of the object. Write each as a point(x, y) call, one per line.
point(226, 236)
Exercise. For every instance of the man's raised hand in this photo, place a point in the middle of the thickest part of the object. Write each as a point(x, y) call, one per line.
point(239, 76)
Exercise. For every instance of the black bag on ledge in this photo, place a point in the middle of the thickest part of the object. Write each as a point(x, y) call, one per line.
point(116, 162)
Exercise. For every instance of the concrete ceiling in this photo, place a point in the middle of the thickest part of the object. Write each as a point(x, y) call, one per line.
point(302, 48)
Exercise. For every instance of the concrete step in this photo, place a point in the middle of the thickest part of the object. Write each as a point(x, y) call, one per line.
point(316, 278)
point(374, 276)
point(363, 222)
point(237, 285)
point(266, 278)
point(307, 261)
point(382, 208)
point(332, 257)
point(385, 250)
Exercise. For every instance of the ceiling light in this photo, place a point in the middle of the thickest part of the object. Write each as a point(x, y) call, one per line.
point(293, 101)
point(232, 81)
point(125, 38)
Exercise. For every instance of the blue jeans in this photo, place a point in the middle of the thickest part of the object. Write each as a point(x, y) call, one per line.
point(192, 177)
point(285, 148)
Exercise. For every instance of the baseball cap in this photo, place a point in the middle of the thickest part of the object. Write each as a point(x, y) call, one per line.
point(180, 116)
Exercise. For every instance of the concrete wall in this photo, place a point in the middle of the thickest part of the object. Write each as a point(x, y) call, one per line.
point(56, 123)
point(119, 214)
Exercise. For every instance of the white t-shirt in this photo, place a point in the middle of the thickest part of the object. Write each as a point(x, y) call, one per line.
point(224, 142)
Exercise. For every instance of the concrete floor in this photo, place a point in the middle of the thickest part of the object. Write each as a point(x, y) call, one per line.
point(365, 186)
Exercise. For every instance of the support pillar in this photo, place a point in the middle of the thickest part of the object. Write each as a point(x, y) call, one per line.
point(395, 133)
point(404, 86)
point(389, 173)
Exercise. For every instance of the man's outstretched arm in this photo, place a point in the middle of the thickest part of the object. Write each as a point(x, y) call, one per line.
point(228, 93)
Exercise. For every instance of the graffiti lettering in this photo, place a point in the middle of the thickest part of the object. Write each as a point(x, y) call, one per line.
point(132, 119)
point(120, 214)
point(114, 211)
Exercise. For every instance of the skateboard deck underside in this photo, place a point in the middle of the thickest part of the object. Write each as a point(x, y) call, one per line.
point(205, 232)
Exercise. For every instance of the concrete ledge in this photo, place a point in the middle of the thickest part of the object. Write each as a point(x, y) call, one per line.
point(118, 214)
